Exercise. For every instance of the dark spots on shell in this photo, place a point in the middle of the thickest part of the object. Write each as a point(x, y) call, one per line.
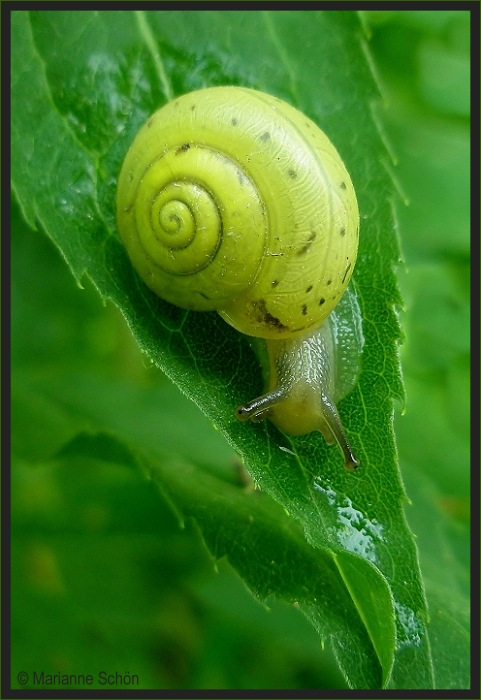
point(304, 309)
point(309, 289)
point(329, 282)
point(234, 121)
point(343, 231)
point(322, 301)
point(264, 317)
point(182, 149)
point(307, 245)
point(345, 274)
point(343, 185)
point(192, 109)
point(292, 174)
point(150, 122)
point(274, 283)
point(265, 137)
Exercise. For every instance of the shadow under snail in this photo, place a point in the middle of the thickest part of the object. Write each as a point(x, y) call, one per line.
point(231, 199)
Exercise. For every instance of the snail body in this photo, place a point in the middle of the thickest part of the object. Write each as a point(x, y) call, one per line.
point(306, 375)
point(230, 199)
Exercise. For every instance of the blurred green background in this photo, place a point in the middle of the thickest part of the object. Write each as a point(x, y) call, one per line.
point(102, 575)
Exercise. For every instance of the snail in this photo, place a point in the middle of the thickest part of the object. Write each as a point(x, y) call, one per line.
point(232, 200)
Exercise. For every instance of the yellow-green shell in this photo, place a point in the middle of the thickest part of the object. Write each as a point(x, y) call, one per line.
point(231, 199)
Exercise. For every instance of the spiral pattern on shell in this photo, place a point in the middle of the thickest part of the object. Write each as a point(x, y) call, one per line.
point(230, 199)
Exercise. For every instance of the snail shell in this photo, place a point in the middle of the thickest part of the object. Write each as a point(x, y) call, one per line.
point(231, 199)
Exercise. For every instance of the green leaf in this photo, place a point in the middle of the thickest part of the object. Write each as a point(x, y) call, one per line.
point(82, 84)
point(265, 546)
